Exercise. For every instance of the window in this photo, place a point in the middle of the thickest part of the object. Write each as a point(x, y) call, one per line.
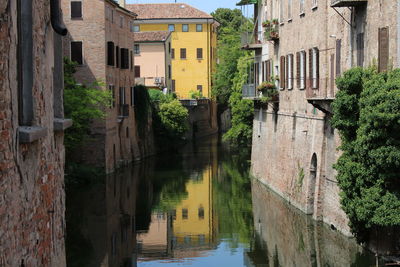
point(199, 53)
point(172, 53)
point(183, 53)
point(169, 48)
point(282, 11)
point(289, 10)
point(136, 49)
point(131, 60)
point(314, 67)
point(122, 99)
point(200, 88)
point(173, 86)
point(121, 21)
point(136, 28)
point(137, 71)
point(76, 9)
point(301, 69)
point(289, 71)
point(282, 77)
point(112, 90)
point(117, 56)
point(314, 3)
point(169, 72)
point(110, 53)
point(132, 96)
point(185, 27)
point(338, 56)
point(199, 27)
point(124, 58)
point(76, 52)
point(383, 49)
point(201, 213)
point(171, 27)
point(185, 214)
point(301, 7)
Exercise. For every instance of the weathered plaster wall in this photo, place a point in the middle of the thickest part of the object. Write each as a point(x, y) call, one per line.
point(31, 175)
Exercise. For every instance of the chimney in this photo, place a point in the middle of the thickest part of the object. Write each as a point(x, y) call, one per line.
point(122, 3)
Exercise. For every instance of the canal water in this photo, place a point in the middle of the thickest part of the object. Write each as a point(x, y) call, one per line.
point(196, 207)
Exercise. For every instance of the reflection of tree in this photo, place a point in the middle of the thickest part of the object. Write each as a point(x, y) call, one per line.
point(232, 200)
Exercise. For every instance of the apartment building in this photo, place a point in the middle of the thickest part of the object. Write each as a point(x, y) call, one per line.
point(32, 124)
point(101, 41)
point(152, 53)
point(303, 46)
point(194, 41)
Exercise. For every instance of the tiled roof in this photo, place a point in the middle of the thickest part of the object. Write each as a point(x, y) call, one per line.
point(167, 11)
point(157, 36)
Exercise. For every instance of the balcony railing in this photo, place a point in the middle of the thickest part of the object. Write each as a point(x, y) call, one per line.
point(252, 40)
point(346, 3)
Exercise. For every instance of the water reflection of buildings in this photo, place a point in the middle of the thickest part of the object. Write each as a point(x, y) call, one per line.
point(100, 222)
point(286, 237)
point(189, 229)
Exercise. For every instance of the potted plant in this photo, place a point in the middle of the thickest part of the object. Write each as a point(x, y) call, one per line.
point(275, 21)
point(266, 24)
point(268, 90)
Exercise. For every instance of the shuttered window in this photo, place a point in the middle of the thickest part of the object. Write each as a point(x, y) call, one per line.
point(314, 68)
point(282, 77)
point(137, 71)
point(117, 57)
point(199, 53)
point(76, 52)
point(124, 58)
point(183, 53)
point(303, 72)
point(122, 99)
point(173, 85)
point(360, 49)
point(338, 57)
point(76, 9)
point(111, 88)
point(289, 74)
point(169, 72)
point(200, 88)
point(110, 53)
point(263, 71)
point(132, 96)
point(257, 73)
point(268, 72)
point(173, 53)
point(383, 53)
point(131, 60)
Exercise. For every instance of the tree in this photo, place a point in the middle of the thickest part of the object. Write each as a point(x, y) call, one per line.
point(83, 104)
point(367, 115)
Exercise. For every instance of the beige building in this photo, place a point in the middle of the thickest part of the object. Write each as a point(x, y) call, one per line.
point(153, 59)
point(32, 124)
point(303, 46)
point(101, 41)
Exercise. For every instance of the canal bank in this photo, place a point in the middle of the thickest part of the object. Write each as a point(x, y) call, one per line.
point(198, 207)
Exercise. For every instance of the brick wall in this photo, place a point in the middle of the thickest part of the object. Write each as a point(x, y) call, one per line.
point(31, 175)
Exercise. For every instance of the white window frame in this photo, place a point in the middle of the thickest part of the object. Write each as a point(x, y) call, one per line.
point(314, 77)
point(302, 70)
point(314, 4)
point(290, 7)
point(197, 27)
point(302, 9)
point(289, 74)
point(187, 25)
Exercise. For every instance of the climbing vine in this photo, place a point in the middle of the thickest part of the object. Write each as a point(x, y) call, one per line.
point(367, 116)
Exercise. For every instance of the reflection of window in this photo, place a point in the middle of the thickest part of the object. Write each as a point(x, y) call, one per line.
point(187, 239)
point(202, 239)
point(184, 214)
point(201, 213)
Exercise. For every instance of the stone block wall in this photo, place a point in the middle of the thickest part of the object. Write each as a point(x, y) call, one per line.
point(31, 175)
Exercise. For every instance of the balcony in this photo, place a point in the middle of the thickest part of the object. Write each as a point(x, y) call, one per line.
point(347, 3)
point(249, 91)
point(252, 40)
point(123, 111)
point(320, 99)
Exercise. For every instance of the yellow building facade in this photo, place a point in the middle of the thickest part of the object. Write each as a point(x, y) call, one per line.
point(193, 43)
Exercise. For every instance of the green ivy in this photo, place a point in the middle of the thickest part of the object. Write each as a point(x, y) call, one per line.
point(367, 115)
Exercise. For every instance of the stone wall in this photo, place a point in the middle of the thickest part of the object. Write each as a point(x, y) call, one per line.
point(294, 146)
point(31, 175)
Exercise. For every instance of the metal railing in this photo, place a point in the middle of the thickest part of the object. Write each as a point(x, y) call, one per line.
point(249, 90)
point(249, 38)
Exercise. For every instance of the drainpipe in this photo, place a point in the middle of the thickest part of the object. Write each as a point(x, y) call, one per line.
point(56, 21)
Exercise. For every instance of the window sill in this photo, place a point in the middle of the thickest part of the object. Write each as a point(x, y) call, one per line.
point(61, 125)
point(302, 14)
point(77, 18)
point(30, 134)
point(289, 20)
point(314, 8)
point(281, 23)
point(302, 88)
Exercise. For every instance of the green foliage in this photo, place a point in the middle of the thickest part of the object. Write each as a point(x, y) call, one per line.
point(173, 117)
point(195, 94)
point(83, 104)
point(155, 95)
point(367, 115)
point(142, 109)
point(229, 51)
point(242, 110)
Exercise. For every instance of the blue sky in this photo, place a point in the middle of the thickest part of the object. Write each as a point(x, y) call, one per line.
point(204, 5)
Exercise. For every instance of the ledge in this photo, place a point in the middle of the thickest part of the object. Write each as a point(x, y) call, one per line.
point(30, 134)
point(61, 125)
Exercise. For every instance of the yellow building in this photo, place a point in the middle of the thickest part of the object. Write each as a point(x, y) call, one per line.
point(193, 46)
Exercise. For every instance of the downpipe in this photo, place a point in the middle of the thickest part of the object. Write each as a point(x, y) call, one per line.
point(56, 21)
